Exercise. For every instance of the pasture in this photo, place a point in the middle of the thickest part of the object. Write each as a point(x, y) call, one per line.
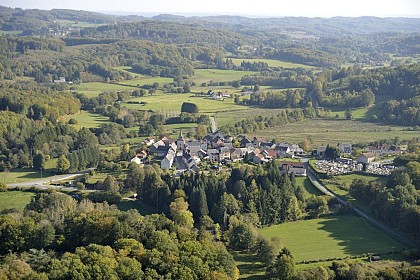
point(271, 62)
point(26, 174)
point(95, 88)
point(171, 103)
point(309, 188)
point(15, 199)
point(333, 132)
point(217, 75)
point(88, 119)
point(332, 237)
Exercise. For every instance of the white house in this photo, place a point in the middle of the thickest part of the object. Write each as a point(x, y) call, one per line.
point(366, 158)
point(168, 160)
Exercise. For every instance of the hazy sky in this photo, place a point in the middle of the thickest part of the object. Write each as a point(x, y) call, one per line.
point(311, 8)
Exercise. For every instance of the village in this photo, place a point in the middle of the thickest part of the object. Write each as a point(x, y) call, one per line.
point(216, 151)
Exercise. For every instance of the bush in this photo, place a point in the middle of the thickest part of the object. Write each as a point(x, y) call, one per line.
point(72, 121)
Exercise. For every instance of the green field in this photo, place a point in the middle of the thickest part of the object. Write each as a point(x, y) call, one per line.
point(95, 88)
point(27, 174)
point(306, 183)
point(88, 119)
point(332, 237)
point(271, 62)
point(126, 205)
point(15, 199)
point(171, 103)
point(140, 79)
point(331, 131)
point(217, 75)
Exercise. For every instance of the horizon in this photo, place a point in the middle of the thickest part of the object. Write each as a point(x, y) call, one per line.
point(246, 8)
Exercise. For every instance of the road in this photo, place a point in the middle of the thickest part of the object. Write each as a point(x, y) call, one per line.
point(45, 182)
point(376, 223)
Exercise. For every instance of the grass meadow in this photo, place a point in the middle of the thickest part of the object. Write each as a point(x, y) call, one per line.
point(87, 119)
point(332, 131)
point(217, 75)
point(332, 237)
point(172, 103)
point(15, 199)
point(27, 174)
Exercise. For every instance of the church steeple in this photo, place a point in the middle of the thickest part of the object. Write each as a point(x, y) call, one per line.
point(180, 142)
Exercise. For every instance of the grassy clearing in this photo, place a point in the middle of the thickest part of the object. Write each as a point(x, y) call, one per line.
point(87, 119)
point(306, 183)
point(171, 103)
point(332, 237)
point(126, 205)
point(271, 62)
point(216, 75)
point(79, 24)
point(249, 266)
point(331, 131)
point(27, 174)
point(95, 88)
point(15, 199)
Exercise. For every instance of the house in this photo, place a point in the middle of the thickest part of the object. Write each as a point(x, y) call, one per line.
point(269, 154)
point(268, 145)
point(196, 145)
point(258, 141)
point(294, 167)
point(60, 80)
point(168, 160)
point(149, 141)
point(380, 149)
point(228, 139)
point(320, 151)
point(224, 153)
point(366, 158)
point(216, 95)
point(136, 160)
point(259, 158)
point(191, 162)
point(253, 153)
point(245, 141)
point(161, 147)
point(345, 148)
point(216, 142)
point(214, 155)
point(141, 154)
point(295, 149)
point(283, 150)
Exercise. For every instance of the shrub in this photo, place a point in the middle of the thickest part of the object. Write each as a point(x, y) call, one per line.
point(72, 121)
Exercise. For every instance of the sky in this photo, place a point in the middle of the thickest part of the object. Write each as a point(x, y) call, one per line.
point(257, 8)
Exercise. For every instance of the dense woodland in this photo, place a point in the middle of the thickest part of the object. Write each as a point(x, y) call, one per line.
point(356, 63)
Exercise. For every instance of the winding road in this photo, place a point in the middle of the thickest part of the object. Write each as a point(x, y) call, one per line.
point(373, 221)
